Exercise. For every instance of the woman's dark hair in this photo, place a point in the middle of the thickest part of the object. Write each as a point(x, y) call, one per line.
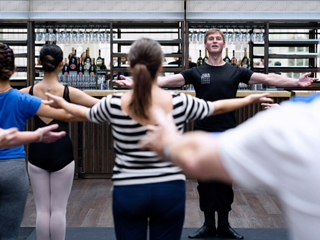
point(145, 58)
point(50, 56)
point(6, 62)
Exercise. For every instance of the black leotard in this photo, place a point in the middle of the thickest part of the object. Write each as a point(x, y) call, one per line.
point(52, 156)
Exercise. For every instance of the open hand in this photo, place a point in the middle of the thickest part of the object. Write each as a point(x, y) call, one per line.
point(305, 80)
point(269, 105)
point(55, 101)
point(125, 81)
point(48, 136)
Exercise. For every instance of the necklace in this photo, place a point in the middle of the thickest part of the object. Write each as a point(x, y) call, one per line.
point(49, 88)
point(4, 90)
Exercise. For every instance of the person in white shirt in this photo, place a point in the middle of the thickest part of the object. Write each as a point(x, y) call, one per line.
point(280, 151)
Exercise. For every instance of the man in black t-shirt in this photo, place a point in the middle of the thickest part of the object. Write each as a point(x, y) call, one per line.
point(212, 81)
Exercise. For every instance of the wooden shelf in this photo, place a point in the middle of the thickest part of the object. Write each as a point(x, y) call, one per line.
point(293, 55)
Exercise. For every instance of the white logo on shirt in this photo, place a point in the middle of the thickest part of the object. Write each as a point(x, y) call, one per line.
point(205, 78)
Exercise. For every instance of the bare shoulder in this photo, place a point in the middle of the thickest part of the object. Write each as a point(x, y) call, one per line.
point(25, 90)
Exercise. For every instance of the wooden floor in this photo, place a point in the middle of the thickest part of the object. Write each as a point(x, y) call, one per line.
point(90, 205)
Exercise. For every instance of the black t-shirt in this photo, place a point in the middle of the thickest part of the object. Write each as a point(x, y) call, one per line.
point(213, 83)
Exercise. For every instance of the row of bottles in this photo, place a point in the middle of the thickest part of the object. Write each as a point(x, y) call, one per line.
point(233, 61)
point(245, 63)
point(88, 67)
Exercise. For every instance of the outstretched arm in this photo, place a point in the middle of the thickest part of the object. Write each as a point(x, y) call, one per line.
point(77, 111)
point(281, 81)
point(12, 137)
point(195, 152)
point(172, 80)
point(227, 105)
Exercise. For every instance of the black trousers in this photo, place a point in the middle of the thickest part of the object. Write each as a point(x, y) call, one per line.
point(215, 196)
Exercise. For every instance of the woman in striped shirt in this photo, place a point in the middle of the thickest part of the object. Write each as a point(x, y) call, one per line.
point(147, 191)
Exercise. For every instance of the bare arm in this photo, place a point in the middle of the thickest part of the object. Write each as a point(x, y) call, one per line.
point(227, 105)
point(59, 114)
point(13, 138)
point(79, 97)
point(281, 81)
point(172, 80)
point(76, 111)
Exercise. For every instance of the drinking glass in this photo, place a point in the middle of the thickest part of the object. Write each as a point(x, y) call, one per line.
point(99, 35)
point(38, 34)
point(254, 34)
point(52, 35)
point(234, 35)
point(79, 36)
point(200, 36)
point(85, 35)
point(260, 36)
point(193, 35)
point(247, 35)
point(63, 34)
point(240, 35)
point(45, 34)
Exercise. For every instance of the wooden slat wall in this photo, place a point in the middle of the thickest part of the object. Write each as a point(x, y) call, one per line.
point(249, 111)
point(97, 151)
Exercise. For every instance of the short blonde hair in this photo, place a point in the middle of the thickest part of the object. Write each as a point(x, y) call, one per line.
point(212, 31)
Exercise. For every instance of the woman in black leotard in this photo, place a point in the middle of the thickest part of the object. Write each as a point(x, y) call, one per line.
point(51, 167)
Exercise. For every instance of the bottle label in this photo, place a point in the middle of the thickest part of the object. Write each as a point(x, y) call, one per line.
point(73, 66)
point(244, 66)
point(66, 74)
point(80, 73)
point(99, 62)
point(92, 73)
point(87, 66)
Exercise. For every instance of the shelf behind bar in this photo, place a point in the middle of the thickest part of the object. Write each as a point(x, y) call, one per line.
point(119, 54)
point(292, 69)
point(286, 42)
point(161, 41)
point(165, 68)
point(14, 42)
point(293, 55)
point(20, 55)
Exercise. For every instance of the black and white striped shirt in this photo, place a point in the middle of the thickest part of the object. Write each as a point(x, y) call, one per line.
point(133, 165)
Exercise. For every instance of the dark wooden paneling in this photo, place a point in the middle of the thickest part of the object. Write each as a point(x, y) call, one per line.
point(249, 111)
point(97, 151)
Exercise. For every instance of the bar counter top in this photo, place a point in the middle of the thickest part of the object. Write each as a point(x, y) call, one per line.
point(240, 93)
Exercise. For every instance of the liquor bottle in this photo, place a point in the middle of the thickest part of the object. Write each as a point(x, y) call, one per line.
point(92, 69)
point(226, 58)
point(200, 60)
point(103, 66)
point(65, 68)
point(87, 61)
point(80, 69)
point(99, 61)
point(234, 59)
point(245, 59)
point(205, 59)
point(73, 61)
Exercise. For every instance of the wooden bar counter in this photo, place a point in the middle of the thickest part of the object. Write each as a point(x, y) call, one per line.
point(93, 144)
